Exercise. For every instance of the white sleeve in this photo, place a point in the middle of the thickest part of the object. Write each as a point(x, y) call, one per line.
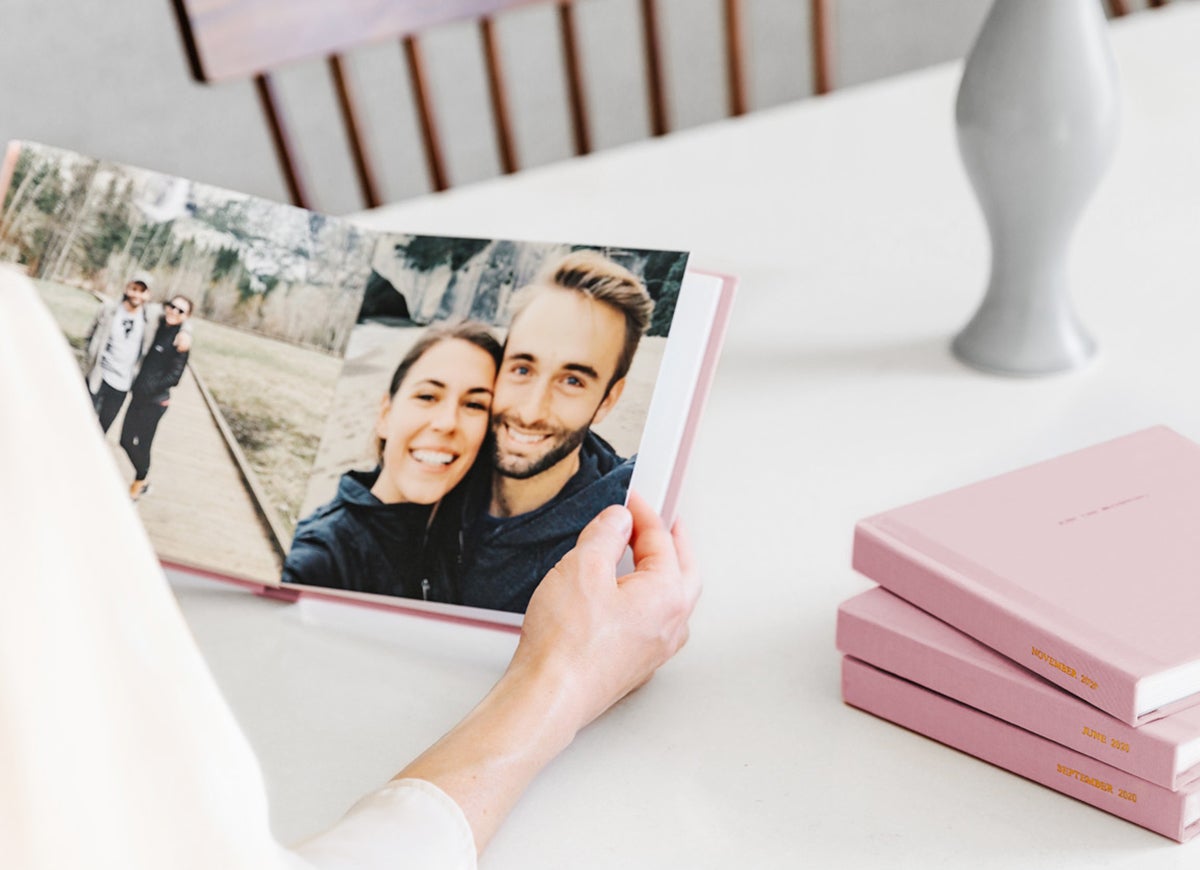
point(409, 823)
point(116, 747)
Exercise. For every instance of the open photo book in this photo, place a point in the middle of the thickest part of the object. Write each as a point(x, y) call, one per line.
point(309, 407)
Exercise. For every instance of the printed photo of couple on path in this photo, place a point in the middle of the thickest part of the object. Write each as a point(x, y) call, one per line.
point(298, 401)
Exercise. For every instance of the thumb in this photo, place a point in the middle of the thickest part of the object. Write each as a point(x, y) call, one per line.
point(607, 535)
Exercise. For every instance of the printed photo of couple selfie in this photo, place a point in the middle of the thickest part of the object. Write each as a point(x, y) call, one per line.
point(298, 401)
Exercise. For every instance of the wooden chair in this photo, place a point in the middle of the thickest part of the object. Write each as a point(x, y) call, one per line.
point(237, 39)
point(1120, 8)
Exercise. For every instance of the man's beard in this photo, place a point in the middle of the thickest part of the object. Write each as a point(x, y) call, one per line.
point(563, 442)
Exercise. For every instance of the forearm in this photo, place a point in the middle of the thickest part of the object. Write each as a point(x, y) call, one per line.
point(93, 326)
point(588, 639)
point(486, 762)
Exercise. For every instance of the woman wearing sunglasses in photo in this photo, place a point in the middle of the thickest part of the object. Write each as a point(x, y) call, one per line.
point(150, 394)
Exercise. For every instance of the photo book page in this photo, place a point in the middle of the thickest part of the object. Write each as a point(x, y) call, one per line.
point(305, 405)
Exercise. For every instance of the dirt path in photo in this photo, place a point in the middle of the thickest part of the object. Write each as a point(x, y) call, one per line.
point(198, 510)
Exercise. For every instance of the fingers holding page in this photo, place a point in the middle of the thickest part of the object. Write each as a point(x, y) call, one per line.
point(603, 636)
point(653, 548)
point(604, 540)
point(665, 572)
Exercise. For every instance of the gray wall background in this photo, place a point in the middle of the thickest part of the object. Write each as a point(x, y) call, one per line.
point(110, 79)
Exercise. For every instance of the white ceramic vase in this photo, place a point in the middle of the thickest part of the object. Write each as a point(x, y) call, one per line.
point(1037, 118)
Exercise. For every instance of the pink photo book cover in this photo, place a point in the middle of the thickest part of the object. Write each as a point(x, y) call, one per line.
point(885, 631)
point(1081, 568)
point(1174, 814)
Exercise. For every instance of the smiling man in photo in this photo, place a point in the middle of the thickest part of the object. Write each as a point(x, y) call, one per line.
point(569, 347)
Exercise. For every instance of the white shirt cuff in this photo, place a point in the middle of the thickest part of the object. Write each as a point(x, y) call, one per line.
point(407, 823)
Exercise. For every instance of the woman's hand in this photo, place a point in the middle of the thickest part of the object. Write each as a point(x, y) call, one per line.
point(589, 639)
point(593, 637)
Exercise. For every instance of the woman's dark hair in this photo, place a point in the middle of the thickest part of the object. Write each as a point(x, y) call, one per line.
point(470, 331)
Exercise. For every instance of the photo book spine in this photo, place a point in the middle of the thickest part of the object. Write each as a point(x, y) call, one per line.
point(701, 389)
point(882, 630)
point(955, 597)
point(1172, 814)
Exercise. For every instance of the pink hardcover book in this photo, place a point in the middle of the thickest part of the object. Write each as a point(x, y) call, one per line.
point(1082, 568)
point(1174, 814)
point(885, 631)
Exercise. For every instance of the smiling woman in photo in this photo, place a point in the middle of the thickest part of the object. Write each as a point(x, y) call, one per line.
point(150, 396)
point(431, 424)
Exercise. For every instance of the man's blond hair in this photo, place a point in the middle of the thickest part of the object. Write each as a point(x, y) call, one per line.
point(595, 276)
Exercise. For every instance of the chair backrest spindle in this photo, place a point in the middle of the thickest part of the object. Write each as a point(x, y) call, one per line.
point(498, 96)
point(656, 90)
point(734, 63)
point(279, 140)
point(435, 163)
point(822, 29)
point(580, 129)
point(362, 166)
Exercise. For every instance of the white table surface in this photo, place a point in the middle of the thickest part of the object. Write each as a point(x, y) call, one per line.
point(860, 251)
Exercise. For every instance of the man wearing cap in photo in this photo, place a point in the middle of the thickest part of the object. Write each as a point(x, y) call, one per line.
point(117, 341)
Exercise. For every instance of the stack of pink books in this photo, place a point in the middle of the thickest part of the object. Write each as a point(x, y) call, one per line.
point(1046, 621)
